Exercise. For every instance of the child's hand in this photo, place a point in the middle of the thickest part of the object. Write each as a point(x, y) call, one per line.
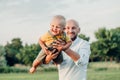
point(32, 69)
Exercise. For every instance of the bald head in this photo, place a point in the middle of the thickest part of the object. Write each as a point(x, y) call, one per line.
point(72, 21)
point(59, 18)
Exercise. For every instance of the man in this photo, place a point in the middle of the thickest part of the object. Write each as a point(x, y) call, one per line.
point(76, 57)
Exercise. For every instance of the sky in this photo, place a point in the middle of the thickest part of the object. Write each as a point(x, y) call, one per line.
point(29, 19)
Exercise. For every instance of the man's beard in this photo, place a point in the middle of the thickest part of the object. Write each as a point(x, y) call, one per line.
point(73, 38)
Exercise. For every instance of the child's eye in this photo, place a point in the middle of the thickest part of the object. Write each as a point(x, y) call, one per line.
point(52, 25)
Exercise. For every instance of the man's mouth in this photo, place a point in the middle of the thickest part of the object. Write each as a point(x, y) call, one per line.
point(72, 33)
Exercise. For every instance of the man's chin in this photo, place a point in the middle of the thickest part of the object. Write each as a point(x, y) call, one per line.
point(73, 38)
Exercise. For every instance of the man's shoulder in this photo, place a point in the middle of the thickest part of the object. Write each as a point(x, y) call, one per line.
point(84, 41)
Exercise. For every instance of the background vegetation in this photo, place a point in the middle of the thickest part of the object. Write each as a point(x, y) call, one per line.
point(104, 59)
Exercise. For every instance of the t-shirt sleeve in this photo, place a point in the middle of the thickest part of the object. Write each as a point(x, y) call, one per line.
point(44, 37)
point(84, 52)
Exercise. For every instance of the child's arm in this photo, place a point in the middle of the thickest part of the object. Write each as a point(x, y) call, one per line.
point(43, 46)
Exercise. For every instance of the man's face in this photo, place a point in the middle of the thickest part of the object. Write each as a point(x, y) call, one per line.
point(72, 29)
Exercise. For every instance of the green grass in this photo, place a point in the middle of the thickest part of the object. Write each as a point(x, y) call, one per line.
point(27, 76)
point(92, 75)
point(96, 71)
point(104, 75)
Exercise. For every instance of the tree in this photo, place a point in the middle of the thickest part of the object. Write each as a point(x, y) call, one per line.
point(84, 37)
point(2, 56)
point(11, 50)
point(116, 43)
point(28, 53)
point(108, 45)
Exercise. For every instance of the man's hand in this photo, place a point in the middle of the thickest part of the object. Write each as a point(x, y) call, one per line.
point(51, 56)
point(61, 45)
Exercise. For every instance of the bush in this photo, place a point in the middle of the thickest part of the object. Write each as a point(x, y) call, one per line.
point(50, 69)
point(11, 70)
point(101, 69)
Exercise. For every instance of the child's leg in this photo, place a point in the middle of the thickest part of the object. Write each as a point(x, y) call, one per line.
point(40, 56)
point(37, 61)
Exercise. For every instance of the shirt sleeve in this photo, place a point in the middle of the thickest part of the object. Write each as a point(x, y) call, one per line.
point(44, 36)
point(84, 52)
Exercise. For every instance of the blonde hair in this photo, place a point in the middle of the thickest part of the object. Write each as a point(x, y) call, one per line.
point(61, 18)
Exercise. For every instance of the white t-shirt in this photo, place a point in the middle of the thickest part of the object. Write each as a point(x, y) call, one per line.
point(70, 70)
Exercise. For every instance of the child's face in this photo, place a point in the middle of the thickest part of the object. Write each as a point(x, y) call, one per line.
point(56, 27)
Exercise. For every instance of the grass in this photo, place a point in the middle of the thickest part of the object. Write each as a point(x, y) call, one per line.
point(104, 75)
point(27, 76)
point(92, 75)
point(96, 71)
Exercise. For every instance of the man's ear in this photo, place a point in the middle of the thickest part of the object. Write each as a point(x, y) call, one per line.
point(78, 30)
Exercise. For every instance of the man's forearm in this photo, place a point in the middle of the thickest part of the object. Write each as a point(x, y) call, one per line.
point(67, 45)
point(72, 54)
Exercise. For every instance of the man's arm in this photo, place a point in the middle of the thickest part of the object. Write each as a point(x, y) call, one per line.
point(74, 56)
point(81, 57)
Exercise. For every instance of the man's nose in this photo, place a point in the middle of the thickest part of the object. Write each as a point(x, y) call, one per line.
point(70, 30)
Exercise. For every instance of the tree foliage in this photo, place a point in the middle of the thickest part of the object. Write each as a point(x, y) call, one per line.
point(28, 53)
point(107, 44)
point(11, 50)
point(2, 56)
point(84, 37)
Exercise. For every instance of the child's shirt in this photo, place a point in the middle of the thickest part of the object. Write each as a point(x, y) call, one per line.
point(48, 38)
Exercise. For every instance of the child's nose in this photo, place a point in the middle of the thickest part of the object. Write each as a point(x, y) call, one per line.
point(55, 28)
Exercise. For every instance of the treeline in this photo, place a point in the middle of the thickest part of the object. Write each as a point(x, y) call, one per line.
point(105, 48)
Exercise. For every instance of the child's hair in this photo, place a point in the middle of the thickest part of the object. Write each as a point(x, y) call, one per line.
point(61, 18)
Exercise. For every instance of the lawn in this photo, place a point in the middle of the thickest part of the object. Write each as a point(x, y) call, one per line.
point(96, 71)
point(27, 76)
point(92, 75)
point(104, 75)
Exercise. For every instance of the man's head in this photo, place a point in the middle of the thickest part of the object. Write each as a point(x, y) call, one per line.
point(57, 24)
point(72, 28)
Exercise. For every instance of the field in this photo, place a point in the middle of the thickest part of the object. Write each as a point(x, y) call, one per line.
point(96, 71)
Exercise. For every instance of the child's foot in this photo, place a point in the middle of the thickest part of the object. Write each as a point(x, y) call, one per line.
point(32, 70)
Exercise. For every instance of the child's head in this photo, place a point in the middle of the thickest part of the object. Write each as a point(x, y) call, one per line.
point(57, 24)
